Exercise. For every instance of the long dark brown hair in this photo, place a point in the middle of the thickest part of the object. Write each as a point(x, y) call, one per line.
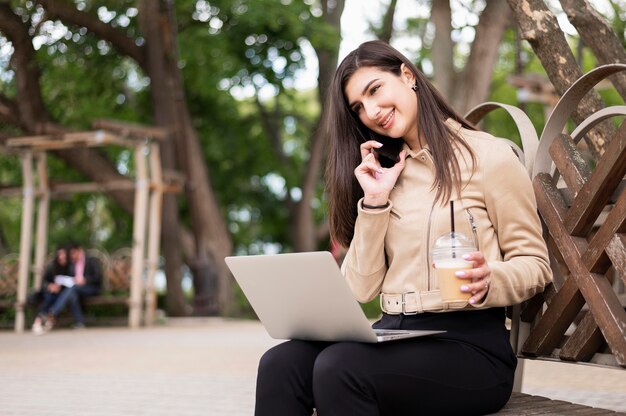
point(346, 133)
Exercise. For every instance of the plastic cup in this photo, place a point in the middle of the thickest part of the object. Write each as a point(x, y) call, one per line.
point(447, 256)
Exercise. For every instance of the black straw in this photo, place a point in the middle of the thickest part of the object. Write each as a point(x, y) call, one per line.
point(452, 217)
point(452, 226)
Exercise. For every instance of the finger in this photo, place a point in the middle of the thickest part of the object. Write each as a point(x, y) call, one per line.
point(366, 148)
point(370, 162)
point(369, 168)
point(478, 296)
point(478, 290)
point(477, 257)
point(477, 273)
point(476, 287)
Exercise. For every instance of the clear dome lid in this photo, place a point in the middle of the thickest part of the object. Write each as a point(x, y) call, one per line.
point(453, 243)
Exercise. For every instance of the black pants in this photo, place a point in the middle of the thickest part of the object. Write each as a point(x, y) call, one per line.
point(466, 371)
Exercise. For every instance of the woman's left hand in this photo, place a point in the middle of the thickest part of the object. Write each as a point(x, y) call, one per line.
point(479, 277)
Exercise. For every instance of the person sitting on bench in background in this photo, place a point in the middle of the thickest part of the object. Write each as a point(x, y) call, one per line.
point(52, 288)
point(87, 273)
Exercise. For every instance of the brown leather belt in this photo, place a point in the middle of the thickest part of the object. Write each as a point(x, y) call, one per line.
point(411, 303)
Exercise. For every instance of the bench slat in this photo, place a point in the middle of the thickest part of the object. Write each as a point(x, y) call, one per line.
point(107, 300)
point(596, 192)
point(562, 311)
point(522, 404)
point(584, 342)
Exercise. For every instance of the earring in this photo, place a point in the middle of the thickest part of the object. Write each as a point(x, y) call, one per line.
point(414, 87)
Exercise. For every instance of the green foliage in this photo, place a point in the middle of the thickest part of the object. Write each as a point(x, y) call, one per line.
point(372, 308)
point(251, 49)
point(229, 52)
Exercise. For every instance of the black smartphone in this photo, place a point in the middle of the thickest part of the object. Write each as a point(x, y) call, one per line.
point(389, 154)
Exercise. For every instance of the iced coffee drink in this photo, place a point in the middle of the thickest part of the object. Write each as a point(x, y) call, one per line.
point(448, 253)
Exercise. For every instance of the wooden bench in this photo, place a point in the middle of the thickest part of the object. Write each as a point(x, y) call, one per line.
point(527, 404)
point(580, 317)
point(115, 279)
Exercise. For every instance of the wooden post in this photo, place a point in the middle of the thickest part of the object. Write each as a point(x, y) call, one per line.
point(41, 241)
point(154, 231)
point(26, 237)
point(139, 237)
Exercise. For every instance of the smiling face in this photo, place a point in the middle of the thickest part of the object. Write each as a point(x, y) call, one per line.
point(385, 102)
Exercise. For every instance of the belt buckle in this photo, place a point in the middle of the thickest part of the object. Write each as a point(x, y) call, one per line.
point(404, 312)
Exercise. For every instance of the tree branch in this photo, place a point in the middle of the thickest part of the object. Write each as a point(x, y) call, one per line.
point(598, 35)
point(538, 25)
point(30, 107)
point(271, 128)
point(68, 14)
point(386, 30)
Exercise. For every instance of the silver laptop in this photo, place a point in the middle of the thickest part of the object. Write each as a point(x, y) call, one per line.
point(305, 296)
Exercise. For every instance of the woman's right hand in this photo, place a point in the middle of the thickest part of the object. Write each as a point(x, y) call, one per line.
point(376, 181)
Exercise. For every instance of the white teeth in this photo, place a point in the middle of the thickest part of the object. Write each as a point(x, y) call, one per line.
point(384, 123)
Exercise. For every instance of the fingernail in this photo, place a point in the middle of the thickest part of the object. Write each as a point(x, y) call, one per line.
point(472, 301)
point(381, 171)
point(464, 288)
point(378, 144)
point(466, 256)
point(376, 175)
point(460, 274)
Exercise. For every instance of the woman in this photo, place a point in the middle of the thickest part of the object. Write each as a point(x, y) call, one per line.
point(60, 266)
point(389, 218)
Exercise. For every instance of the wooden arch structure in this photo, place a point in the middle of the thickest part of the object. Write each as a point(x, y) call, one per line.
point(148, 187)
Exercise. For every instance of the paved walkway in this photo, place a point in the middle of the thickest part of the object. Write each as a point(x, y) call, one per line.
point(194, 367)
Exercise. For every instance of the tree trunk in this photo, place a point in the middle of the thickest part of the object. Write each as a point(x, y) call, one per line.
point(305, 236)
point(540, 28)
point(442, 50)
point(598, 35)
point(32, 113)
point(386, 30)
point(478, 73)
point(212, 240)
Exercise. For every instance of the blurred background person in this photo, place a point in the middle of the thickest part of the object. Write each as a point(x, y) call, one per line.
point(87, 273)
point(59, 267)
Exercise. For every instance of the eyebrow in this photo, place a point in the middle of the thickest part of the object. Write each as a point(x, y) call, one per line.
point(364, 90)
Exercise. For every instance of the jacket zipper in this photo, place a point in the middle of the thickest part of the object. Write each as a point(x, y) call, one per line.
point(430, 219)
point(473, 226)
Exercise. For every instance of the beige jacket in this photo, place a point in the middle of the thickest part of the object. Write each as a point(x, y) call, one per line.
point(390, 251)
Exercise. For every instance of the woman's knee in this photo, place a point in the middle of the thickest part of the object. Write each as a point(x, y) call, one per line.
point(341, 381)
point(288, 358)
point(338, 363)
point(272, 360)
